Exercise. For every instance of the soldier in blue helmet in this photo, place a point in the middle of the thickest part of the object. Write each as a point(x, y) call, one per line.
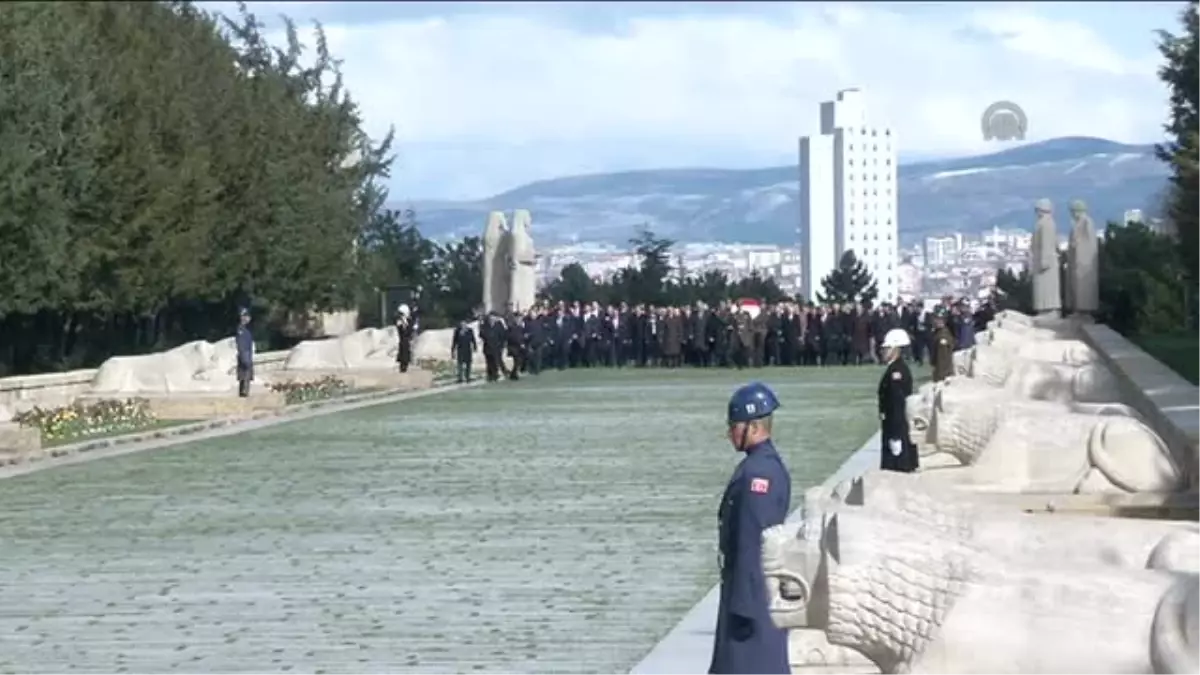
point(758, 497)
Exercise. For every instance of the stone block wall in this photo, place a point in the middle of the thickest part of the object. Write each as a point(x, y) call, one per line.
point(59, 389)
point(1169, 403)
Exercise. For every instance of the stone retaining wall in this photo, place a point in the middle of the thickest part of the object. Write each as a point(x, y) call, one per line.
point(58, 389)
point(1169, 403)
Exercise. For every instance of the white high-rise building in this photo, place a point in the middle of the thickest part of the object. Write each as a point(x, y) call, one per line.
point(848, 196)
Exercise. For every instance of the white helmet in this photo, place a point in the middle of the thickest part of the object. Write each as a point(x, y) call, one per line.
point(403, 310)
point(896, 337)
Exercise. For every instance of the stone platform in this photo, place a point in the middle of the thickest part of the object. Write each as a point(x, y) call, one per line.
point(362, 378)
point(18, 443)
point(201, 406)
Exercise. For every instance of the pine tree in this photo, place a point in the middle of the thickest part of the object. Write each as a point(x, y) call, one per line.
point(849, 283)
point(1180, 152)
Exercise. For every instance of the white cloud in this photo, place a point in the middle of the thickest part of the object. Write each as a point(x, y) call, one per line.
point(736, 84)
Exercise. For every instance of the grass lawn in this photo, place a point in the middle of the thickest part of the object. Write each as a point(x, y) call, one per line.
point(1180, 353)
point(562, 523)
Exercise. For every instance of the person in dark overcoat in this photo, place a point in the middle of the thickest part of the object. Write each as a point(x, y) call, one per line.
point(244, 340)
point(898, 452)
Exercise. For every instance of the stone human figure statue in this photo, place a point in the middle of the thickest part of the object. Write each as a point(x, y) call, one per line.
point(1043, 261)
point(496, 274)
point(1084, 257)
point(522, 257)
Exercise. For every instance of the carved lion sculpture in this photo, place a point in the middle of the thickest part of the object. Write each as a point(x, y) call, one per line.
point(914, 598)
point(964, 428)
point(1009, 449)
point(1092, 383)
point(370, 348)
point(1059, 539)
point(195, 367)
point(993, 364)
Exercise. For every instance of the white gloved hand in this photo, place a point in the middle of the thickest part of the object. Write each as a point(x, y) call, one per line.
point(895, 446)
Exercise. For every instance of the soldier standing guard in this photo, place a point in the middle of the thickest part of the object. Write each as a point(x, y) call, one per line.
point(896, 385)
point(942, 354)
point(245, 353)
point(404, 332)
point(758, 496)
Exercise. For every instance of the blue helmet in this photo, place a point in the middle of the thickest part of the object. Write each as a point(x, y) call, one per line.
point(752, 402)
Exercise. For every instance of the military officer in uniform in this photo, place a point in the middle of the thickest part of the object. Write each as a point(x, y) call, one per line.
point(758, 496)
point(244, 340)
point(898, 452)
point(941, 355)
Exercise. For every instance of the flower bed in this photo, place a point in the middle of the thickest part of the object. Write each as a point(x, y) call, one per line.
point(314, 390)
point(95, 419)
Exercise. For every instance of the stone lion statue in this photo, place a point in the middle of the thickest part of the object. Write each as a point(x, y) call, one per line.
point(912, 596)
point(369, 348)
point(195, 367)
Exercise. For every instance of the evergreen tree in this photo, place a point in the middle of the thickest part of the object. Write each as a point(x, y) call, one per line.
point(1179, 73)
point(1013, 291)
point(849, 283)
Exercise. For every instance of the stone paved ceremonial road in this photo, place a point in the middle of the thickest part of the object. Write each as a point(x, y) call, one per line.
point(560, 524)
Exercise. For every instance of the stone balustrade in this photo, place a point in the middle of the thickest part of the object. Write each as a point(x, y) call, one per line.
point(1169, 404)
point(58, 389)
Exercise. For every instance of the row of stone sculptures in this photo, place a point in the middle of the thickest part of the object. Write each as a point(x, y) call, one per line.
point(939, 572)
point(1083, 261)
point(202, 367)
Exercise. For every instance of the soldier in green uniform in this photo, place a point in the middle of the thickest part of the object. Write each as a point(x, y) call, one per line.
point(942, 354)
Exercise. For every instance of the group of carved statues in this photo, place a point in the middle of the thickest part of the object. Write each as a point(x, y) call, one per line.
point(1083, 252)
point(945, 571)
point(509, 263)
point(201, 367)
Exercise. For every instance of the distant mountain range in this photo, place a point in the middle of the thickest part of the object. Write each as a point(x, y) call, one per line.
point(967, 195)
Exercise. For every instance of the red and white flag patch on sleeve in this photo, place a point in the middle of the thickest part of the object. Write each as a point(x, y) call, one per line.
point(760, 485)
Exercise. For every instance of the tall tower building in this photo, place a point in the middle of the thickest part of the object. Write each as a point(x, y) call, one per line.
point(848, 196)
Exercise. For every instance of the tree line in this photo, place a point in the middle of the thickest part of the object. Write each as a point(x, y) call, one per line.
point(162, 166)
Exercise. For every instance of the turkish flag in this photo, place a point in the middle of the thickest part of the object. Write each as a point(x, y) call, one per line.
point(750, 306)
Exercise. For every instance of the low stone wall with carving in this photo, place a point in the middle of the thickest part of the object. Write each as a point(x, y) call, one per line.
point(1169, 404)
point(58, 389)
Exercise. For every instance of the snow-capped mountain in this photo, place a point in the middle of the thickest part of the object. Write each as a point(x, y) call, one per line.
point(760, 205)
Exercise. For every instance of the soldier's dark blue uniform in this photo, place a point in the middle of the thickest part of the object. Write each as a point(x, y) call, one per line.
point(758, 496)
point(244, 340)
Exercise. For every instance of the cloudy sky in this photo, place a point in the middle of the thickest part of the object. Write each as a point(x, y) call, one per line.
point(489, 96)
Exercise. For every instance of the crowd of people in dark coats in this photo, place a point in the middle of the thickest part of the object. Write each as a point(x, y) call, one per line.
point(741, 334)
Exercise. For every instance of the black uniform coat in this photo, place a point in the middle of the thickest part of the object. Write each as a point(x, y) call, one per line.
point(244, 340)
point(757, 497)
point(463, 344)
point(895, 387)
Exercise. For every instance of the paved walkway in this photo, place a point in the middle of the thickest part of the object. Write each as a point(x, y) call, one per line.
point(688, 647)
